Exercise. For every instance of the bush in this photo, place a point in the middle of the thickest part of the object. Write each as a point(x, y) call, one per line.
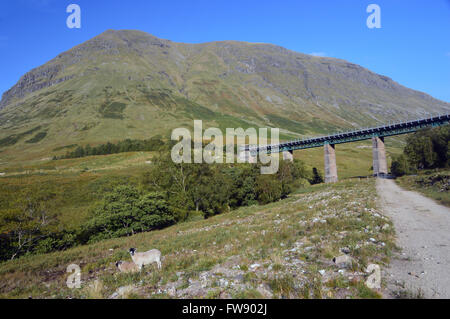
point(400, 166)
point(268, 189)
point(316, 178)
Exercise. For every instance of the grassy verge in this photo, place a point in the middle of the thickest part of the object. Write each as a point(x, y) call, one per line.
point(431, 183)
point(281, 250)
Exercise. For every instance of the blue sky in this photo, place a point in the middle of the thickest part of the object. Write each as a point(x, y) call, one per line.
point(412, 46)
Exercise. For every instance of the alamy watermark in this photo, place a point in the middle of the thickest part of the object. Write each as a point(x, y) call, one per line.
point(74, 19)
point(189, 149)
point(374, 279)
point(74, 280)
point(374, 19)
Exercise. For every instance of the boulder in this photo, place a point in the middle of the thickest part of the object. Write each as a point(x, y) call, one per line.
point(343, 261)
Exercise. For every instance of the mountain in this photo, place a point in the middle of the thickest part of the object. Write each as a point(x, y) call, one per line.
point(130, 84)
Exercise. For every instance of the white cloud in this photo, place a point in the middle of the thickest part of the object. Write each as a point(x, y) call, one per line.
point(322, 54)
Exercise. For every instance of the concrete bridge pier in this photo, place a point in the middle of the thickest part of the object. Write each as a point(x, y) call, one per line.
point(288, 155)
point(330, 164)
point(379, 156)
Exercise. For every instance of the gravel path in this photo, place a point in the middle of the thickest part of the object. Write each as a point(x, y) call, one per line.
point(423, 232)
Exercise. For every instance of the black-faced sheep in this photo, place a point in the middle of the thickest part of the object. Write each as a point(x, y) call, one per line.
point(146, 258)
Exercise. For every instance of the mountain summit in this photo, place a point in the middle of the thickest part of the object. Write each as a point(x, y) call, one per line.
point(131, 84)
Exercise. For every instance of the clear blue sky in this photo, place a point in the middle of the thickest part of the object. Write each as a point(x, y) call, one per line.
point(412, 47)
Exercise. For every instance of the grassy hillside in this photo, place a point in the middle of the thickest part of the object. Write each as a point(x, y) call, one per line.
point(281, 250)
point(78, 183)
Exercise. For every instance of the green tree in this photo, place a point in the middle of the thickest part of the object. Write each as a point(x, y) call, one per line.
point(400, 166)
point(268, 189)
point(24, 225)
point(317, 177)
point(420, 152)
point(126, 211)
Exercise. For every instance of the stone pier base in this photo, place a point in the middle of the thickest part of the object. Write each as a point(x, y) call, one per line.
point(379, 157)
point(288, 156)
point(330, 164)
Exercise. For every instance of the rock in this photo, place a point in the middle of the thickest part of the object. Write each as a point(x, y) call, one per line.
point(122, 292)
point(373, 240)
point(322, 272)
point(345, 250)
point(194, 290)
point(413, 274)
point(223, 282)
point(265, 291)
point(343, 261)
point(255, 266)
point(172, 291)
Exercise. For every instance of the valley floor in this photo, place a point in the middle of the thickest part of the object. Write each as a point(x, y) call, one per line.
point(423, 233)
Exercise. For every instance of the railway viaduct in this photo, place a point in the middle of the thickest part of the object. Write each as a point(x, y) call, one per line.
point(376, 134)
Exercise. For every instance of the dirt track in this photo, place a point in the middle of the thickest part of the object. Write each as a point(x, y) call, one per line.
point(423, 232)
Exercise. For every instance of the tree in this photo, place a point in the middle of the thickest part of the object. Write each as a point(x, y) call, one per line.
point(400, 166)
point(25, 224)
point(268, 189)
point(126, 211)
point(419, 150)
point(317, 177)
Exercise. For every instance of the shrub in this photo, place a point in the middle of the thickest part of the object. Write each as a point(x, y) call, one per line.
point(316, 178)
point(268, 189)
point(400, 166)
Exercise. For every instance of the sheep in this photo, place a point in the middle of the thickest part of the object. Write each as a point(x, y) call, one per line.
point(145, 258)
point(126, 266)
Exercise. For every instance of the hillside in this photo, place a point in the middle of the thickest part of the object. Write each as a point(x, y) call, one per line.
point(281, 250)
point(129, 84)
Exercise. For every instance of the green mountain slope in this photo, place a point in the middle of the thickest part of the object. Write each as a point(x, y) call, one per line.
point(129, 84)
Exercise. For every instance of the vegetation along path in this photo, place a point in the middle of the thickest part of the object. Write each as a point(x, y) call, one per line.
point(423, 234)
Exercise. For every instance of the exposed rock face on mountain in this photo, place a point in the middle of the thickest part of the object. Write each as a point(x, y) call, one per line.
point(131, 84)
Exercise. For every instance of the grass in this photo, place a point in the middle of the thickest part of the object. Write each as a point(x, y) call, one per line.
point(75, 191)
point(432, 183)
point(266, 235)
